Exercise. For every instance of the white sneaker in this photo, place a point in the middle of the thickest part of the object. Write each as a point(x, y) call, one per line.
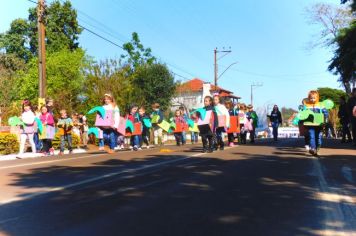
point(131, 147)
point(117, 148)
point(148, 146)
point(307, 147)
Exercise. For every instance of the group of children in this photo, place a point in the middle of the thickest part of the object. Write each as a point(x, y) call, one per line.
point(215, 120)
point(210, 122)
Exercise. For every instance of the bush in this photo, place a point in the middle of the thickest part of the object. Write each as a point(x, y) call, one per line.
point(8, 144)
point(56, 141)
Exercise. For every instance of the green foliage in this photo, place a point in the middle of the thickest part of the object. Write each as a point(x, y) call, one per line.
point(136, 53)
point(154, 83)
point(8, 143)
point(56, 142)
point(64, 79)
point(62, 31)
point(332, 94)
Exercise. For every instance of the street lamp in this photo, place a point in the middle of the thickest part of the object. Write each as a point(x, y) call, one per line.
point(252, 86)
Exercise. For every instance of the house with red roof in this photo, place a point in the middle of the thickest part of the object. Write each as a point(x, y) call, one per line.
point(191, 94)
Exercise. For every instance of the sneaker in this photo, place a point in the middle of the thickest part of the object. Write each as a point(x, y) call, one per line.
point(148, 147)
point(312, 151)
point(210, 150)
point(117, 148)
point(61, 153)
point(101, 148)
point(135, 148)
point(51, 151)
point(204, 150)
point(122, 146)
point(110, 151)
point(231, 144)
point(131, 147)
point(139, 148)
point(70, 151)
point(307, 147)
point(221, 148)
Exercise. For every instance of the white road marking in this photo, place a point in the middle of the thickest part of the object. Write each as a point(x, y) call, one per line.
point(333, 201)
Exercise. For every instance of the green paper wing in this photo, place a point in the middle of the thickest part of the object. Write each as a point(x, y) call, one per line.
point(328, 104)
point(147, 122)
point(173, 125)
point(94, 131)
point(129, 125)
point(303, 115)
point(14, 121)
point(39, 125)
point(190, 123)
point(202, 113)
point(98, 109)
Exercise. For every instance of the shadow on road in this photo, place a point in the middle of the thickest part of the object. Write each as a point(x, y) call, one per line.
point(238, 193)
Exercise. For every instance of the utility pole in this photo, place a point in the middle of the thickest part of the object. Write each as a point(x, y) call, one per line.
point(252, 86)
point(41, 49)
point(216, 77)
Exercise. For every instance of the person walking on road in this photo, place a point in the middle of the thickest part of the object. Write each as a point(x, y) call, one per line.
point(344, 120)
point(253, 115)
point(276, 120)
point(351, 104)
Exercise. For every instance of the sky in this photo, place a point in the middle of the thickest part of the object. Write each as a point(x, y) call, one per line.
point(268, 39)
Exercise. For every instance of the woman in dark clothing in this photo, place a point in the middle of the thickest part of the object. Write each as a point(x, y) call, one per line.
point(276, 120)
point(344, 120)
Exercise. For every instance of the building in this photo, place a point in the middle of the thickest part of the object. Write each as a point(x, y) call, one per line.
point(191, 94)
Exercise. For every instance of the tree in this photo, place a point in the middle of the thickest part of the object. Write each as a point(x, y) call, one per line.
point(136, 53)
point(9, 66)
point(332, 94)
point(335, 33)
point(331, 18)
point(108, 76)
point(154, 83)
point(62, 31)
point(65, 79)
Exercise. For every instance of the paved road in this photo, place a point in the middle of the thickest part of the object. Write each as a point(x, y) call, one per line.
point(262, 189)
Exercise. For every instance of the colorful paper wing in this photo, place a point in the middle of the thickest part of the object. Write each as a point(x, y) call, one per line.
point(39, 125)
point(328, 104)
point(147, 122)
point(190, 123)
point(202, 112)
point(303, 115)
point(98, 109)
point(129, 125)
point(14, 121)
point(164, 125)
point(94, 131)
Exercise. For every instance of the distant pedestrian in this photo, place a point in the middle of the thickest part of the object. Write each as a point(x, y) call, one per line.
point(253, 116)
point(276, 121)
point(344, 120)
point(48, 131)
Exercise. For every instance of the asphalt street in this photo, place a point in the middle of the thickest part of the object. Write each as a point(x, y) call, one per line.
point(268, 188)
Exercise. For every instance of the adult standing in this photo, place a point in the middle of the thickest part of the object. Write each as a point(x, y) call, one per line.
point(351, 104)
point(343, 115)
point(276, 120)
point(252, 115)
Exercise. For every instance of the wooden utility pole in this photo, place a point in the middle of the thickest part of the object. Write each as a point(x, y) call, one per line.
point(41, 49)
point(216, 77)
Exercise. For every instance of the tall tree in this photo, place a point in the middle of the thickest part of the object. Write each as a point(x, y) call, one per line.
point(154, 83)
point(62, 31)
point(137, 54)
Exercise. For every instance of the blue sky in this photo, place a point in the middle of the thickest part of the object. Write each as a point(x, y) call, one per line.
point(268, 39)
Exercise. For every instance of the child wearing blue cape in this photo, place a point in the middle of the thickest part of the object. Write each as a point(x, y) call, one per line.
point(146, 126)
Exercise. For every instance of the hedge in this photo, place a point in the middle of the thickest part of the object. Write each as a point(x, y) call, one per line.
point(8, 144)
point(56, 141)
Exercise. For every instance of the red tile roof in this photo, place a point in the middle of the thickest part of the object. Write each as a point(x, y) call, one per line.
point(196, 84)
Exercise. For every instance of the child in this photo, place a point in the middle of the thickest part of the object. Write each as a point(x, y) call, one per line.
point(76, 126)
point(109, 123)
point(207, 124)
point(185, 117)
point(65, 126)
point(312, 122)
point(222, 113)
point(146, 123)
point(194, 135)
point(36, 135)
point(83, 126)
point(48, 132)
point(157, 118)
point(232, 112)
point(243, 123)
point(134, 117)
point(253, 118)
point(27, 129)
point(179, 122)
